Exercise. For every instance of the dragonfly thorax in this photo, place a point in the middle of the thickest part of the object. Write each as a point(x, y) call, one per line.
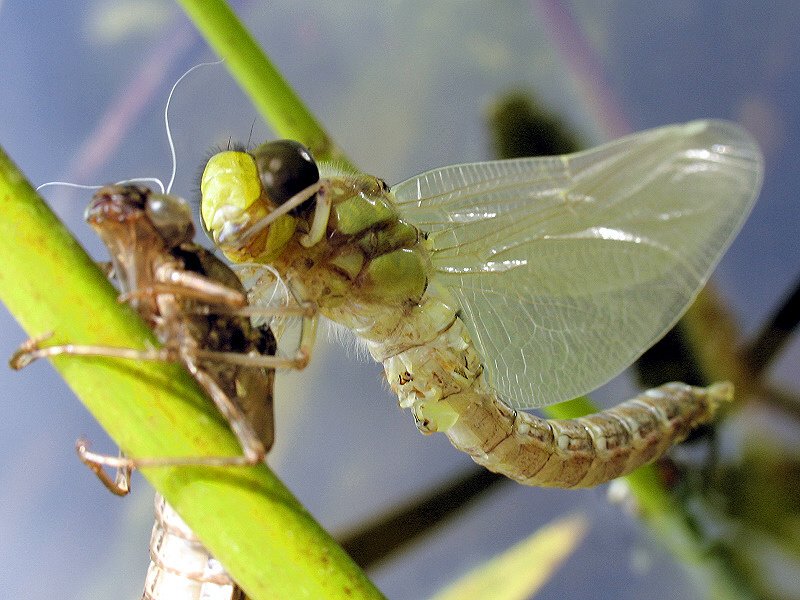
point(352, 255)
point(368, 266)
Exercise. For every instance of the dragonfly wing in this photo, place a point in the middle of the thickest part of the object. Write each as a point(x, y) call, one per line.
point(266, 290)
point(567, 268)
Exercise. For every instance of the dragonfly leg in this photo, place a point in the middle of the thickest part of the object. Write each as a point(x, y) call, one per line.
point(121, 484)
point(302, 356)
point(174, 280)
point(254, 447)
point(308, 338)
point(306, 310)
point(319, 224)
point(125, 464)
point(31, 350)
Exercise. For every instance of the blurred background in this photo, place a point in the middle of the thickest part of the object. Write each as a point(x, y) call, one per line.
point(403, 87)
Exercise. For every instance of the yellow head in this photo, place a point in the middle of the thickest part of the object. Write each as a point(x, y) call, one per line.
point(251, 200)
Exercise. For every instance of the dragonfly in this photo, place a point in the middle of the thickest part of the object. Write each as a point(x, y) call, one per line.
point(199, 311)
point(488, 288)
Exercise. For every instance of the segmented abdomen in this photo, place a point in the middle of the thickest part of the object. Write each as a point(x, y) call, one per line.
point(441, 379)
point(587, 451)
point(180, 566)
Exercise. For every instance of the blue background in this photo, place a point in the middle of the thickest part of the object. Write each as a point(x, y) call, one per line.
point(402, 87)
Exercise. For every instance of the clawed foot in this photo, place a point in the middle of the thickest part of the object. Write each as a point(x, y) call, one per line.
point(28, 352)
point(121, 484)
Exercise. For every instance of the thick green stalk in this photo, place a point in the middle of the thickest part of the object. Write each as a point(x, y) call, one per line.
point(265, 538)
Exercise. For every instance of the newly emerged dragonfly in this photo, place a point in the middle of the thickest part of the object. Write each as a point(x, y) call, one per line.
point(198, 309)
point(492, 287)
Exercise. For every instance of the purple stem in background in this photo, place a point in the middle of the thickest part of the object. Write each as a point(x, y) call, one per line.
point(584, 65)
point(125, 109)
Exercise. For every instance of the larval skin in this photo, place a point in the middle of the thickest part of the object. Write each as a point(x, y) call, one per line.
point(180, 566)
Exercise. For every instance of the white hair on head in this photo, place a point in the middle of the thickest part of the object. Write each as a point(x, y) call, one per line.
point(153, 180)
point(81, 186)
point(69, 184)
point(166, 120)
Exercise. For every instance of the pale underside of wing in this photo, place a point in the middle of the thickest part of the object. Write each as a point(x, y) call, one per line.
point(567, 268)
point(266, 290)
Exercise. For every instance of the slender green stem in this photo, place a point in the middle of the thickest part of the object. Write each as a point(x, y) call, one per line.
point(261, 533)
point(278, 103)
point(572, 409)
point(669, 520)
point(674, 527)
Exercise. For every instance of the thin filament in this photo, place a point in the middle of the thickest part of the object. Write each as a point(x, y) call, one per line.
point(166, 121)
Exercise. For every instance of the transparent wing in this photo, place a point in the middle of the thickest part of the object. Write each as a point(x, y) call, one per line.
point(568, 268)
point(266, 290)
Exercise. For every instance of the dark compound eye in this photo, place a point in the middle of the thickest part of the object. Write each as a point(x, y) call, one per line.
point(172, 217)
point(286, 167)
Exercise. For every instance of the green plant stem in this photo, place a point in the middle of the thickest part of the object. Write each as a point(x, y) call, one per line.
point(676, 529)
point(276, 101)
point(246, 517)
point(572, 409)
